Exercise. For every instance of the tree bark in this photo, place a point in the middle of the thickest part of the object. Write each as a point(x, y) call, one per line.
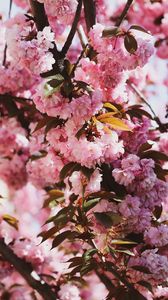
point(26, 271)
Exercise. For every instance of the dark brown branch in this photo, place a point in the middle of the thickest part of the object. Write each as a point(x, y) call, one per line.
point(41, 21)
point(8, 102)
point(124, 12)
point(39, 14)
point(73, 30)
point(90, 13)
point(26, 271)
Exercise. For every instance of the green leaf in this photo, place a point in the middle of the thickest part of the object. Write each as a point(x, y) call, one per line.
point(68, 169)
point(87, 172)
point(110, 32)
point(146, 284)
point(141, 269)
point(157, 212)
point(139, 28)
point(81, 131)
point(90, 204)
point(108, 219)
point(88, 254)
point(48, 234)
point(79, 279)
point(55, 80)
point(41, 154)
point(63, 236)
point(68, 88)
point(75, 270)
point(156, 155)
point(130, 43)
point(53, 123)
point(101, 195)
point(75, 261)
point(49, 91)
point(125, 251)
point(63, 216)
point(144, 147)
point(139, 113)
point(53, 194)
point(87, 268)
point(160, 172)
point(42, 123)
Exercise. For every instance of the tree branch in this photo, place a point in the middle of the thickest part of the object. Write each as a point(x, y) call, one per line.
point(5, 49)
point(10, 105)
point(162, 127)
point(39, 14)
point(90, 13)
point(124, 12)
point(26, 271)
point(41, 21)
point(73, 30)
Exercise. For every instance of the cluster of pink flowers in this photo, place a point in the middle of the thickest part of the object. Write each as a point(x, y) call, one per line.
point(83, 160)
point(61, 10)
point(28, 48)
point(152, 15)
point(14, 153)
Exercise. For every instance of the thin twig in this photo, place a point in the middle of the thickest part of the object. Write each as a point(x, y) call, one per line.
point(78, 60)
point(5, 49)
point(141, 96)
point(162, 127)
point(124, 12)
point(26, 271)
point(82, 36)
point(73, 30)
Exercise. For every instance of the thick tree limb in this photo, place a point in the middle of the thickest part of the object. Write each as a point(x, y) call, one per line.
point(73, 29)
point(90, 13)
point(39, 14)
point(124, 13)
point(26, 271)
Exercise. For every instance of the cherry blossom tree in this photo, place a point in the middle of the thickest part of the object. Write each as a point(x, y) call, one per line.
point(83, 152)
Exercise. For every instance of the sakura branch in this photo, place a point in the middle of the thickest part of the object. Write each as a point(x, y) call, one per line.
point(41, 21)
point(90, 13)
point(73, 30)
point(124, 12)
point(26, 271)
point(162, 127)
point(83, 170)
point(5, 49)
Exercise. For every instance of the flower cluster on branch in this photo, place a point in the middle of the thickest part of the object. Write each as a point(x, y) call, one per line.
point(83, 153)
